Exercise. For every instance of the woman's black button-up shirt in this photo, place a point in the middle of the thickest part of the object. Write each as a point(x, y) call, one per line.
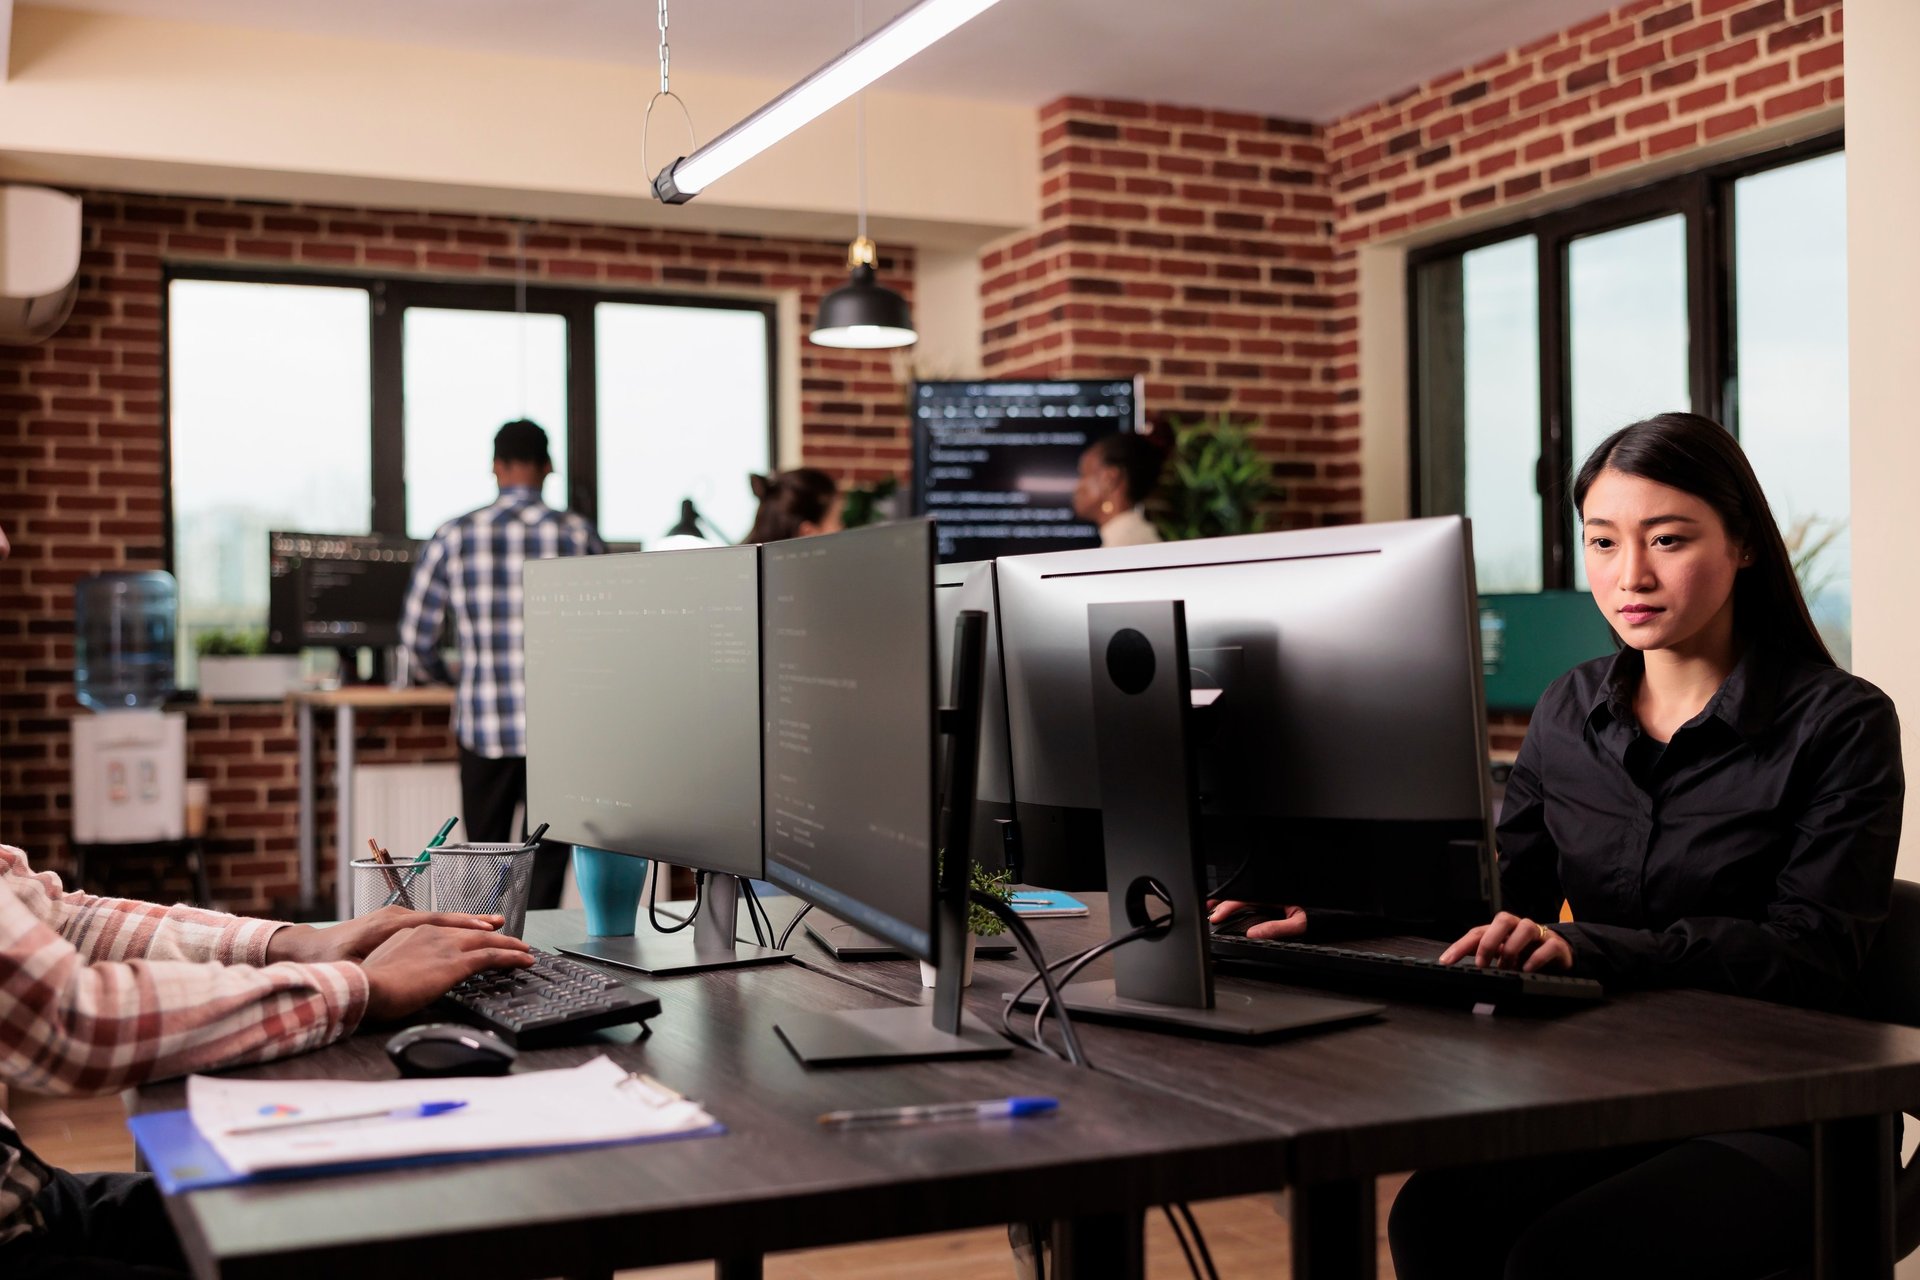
point(1754, 854)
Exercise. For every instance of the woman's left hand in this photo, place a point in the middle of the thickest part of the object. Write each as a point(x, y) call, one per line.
point(1512, 942)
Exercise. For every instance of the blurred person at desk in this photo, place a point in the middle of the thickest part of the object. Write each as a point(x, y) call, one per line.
point(1116, 475)
point(796, 504)
point(97, 994)
point(472, 568)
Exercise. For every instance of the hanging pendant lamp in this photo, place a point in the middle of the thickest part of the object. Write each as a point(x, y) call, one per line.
point(862, 314)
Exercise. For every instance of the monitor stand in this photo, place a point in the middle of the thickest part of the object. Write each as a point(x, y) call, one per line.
point(915, 1032)
point(709, 943)
point(1142, 713)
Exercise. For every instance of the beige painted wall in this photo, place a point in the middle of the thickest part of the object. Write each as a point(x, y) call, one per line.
point(1883, 278)
point(946, 312)
point(171, 106)
point(1385, 413)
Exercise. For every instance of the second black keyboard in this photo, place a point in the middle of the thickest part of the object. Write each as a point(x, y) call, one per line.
point(1410, 977)
point(556, 1001)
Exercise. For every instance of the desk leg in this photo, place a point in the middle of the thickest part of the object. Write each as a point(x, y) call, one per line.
point(309, 828)
point(1853, 1213)
point(343, 809)
point(747, 1268)
point(1334, 1233)
point(1107, 1246)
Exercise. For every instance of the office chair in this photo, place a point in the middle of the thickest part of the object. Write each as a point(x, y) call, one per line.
point(1893, 995)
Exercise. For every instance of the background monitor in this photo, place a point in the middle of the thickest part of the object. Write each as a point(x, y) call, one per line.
point(1529, 641)
point(1344, 762)
point(970, 585)
point(847, 654)
point(643, 705)
point(995, 463)
point(339, 591)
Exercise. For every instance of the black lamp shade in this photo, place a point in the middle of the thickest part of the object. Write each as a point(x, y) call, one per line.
point(863, 314)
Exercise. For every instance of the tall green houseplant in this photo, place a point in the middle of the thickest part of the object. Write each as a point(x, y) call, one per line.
point(1216, 482)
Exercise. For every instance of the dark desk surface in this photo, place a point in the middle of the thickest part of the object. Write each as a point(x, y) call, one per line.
point(1428, 1085)
point(776, 1181)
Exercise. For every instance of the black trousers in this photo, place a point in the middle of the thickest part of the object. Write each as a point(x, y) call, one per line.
point(100, 1226)
point(1738, 1207)
point(490, 790)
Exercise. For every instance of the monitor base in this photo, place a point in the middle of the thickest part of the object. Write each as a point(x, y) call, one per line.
point(666, 954)
point(904, 1034)
point(1240, 1011)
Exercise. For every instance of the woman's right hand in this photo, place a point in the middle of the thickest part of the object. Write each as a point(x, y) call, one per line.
point(416, 966)
point(1275, 922)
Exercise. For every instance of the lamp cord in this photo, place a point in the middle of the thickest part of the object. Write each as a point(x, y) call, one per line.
point(859, 118)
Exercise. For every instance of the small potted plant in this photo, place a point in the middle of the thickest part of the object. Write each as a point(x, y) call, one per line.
point(1216, 483)
point(981, 923)
point(235, 667)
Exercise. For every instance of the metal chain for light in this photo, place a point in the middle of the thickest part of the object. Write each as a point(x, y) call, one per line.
point(666, 91)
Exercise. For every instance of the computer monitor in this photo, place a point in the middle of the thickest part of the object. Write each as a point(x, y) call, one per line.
point(996, 462)
point(847, 660)
point(956, 588)
point(643, 729)
point(1344, 762)
point(1529, 641)
point(338, 591)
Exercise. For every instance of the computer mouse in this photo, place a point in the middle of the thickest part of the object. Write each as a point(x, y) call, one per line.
point(449, 1049)
point(1238, 921)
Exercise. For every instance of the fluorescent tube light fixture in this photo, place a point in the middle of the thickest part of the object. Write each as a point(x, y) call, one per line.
point(846, 75)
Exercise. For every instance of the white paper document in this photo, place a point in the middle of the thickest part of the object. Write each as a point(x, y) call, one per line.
point(597, 1102)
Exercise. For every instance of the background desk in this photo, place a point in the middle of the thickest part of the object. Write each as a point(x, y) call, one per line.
point(1429, 1086)
point(344, 702)
point(776, 1181)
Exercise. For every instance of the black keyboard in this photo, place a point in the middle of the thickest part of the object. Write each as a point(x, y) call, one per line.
point(1410, 977)
point(554, 1002)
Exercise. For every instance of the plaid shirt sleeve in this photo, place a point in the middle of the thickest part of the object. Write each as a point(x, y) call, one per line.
point(425, 607)
point(100, 993)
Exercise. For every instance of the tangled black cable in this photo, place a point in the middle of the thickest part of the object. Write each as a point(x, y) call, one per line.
point(791, 926)
point(653, 894)
point(1024, 936)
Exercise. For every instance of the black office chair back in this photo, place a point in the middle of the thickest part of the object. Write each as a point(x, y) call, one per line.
point(1892, 981)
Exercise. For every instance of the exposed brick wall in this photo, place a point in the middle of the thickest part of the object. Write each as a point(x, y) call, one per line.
point(1646, 82)
point(1191, 246)
point(81, 482)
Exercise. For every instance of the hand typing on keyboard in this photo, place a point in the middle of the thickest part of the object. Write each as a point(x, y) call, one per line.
point(1234, 919)
point(415, 966)
point(1512, 942)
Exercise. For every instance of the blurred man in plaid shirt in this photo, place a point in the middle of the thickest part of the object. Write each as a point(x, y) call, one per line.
point(472, 568)
point(100, 993)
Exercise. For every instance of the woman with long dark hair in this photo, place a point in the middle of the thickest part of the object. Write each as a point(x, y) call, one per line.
point(795, 504)
point(1719, 806)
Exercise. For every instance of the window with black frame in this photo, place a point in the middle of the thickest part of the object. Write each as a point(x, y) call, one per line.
point(343, 404)
point(1722, 292)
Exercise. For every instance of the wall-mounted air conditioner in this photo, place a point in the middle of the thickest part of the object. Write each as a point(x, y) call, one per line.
point(39, 261)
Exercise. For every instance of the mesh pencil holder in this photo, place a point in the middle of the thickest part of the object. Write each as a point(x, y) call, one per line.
point(377, 884)
point(486, 880)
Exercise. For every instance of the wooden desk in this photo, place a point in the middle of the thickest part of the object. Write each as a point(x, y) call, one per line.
point(776, 1181)
point(344, 702)
point(1428, 1086)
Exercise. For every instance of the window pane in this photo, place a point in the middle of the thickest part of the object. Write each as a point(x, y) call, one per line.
point(1501, 292)
point(269, 411)
point(1627, 332)
point(466, 372)
point(1790, 291)
point(684, 413)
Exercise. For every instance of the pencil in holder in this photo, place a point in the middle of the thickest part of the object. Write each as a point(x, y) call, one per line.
point(373, 884)
point(485, 880)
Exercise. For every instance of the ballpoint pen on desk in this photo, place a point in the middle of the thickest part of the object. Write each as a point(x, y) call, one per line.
point(993, 1109)
point(419, 1111)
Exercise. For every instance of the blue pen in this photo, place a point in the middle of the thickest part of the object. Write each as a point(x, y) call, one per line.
point(419, 1111)
point(992, 1109)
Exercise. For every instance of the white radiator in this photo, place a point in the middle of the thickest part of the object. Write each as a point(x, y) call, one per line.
point(402, 805)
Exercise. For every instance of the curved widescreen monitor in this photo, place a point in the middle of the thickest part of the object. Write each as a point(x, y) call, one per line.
point(847, 654)
point(643, 704)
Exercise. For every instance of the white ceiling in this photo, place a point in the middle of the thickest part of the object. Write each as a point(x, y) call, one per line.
point(1307, 59)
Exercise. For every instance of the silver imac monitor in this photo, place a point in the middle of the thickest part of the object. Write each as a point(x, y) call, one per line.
point(643, 727)
point(1341, 759)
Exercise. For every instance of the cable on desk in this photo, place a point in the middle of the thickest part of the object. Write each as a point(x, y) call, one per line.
point(755, 912)
point(1037, 958)
point(792, 925)
point(653, 894)
point(1075, 964)
point(1225, 886)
